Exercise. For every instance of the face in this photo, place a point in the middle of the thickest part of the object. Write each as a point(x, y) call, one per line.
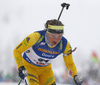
point(54, 38)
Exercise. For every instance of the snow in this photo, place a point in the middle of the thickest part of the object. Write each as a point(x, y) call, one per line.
point(10, 84)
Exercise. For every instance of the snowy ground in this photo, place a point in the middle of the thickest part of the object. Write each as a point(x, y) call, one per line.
point(22, 84)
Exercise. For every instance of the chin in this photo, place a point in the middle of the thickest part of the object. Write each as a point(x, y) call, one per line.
point(54, 44)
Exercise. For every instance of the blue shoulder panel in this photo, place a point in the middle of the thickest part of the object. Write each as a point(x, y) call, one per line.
point(63, 44)
point(42, 33)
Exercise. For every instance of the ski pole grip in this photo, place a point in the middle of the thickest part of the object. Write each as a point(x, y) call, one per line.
point(65, 5)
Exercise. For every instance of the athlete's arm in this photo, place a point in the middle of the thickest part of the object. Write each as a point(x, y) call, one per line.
point(24, 45)
point(67, 55)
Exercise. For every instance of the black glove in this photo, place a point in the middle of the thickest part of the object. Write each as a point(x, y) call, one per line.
point(78, 80)
point(22, 72)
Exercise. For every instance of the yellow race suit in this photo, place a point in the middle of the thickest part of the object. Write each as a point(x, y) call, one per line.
point(36, 56)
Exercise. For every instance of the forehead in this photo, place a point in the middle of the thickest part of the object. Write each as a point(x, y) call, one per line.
point(55, 34)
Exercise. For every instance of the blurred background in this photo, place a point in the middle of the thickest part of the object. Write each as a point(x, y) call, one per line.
point(19, 18)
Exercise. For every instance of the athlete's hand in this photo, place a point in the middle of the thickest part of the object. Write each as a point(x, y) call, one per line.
point(78, 80)
point(22, 72)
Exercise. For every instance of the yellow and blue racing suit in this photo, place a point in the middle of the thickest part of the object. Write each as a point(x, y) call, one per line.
point(37, 57)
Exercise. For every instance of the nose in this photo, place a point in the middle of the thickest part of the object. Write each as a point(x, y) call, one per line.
point(56, 39)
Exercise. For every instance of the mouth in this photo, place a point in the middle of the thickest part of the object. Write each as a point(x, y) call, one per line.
point(54, 42)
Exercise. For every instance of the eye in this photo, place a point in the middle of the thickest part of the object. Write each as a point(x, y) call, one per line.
point(53, 36)
point(60, 36)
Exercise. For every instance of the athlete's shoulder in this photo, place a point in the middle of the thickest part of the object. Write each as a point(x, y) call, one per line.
point(34, 35)
point(63, 43)
point(40, 32)
point(64, 40)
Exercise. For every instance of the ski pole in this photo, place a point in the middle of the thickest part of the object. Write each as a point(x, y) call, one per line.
point(26, 82)
point(63, 5)
point(20, 82)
